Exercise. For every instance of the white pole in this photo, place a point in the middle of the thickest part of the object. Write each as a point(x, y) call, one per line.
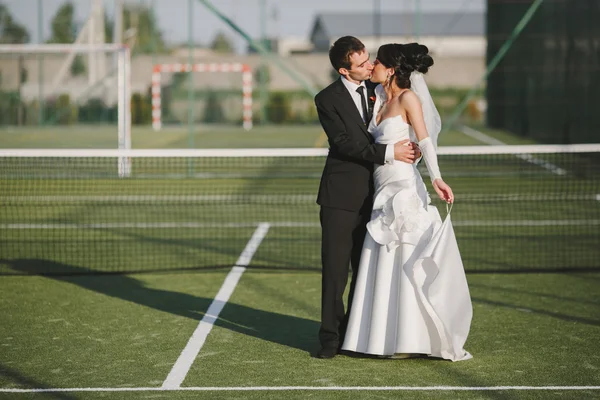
point(92, 76)
point(124, 109)
point(127, 97)
point(127, 160)
point(118, 28)
point(121, 108)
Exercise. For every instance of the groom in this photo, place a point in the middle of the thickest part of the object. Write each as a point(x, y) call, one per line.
point(346, 189)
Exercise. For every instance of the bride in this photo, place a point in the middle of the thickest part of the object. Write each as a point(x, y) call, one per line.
point(411, 294)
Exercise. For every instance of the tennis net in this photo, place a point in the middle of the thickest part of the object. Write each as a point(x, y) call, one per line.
point(518, 208)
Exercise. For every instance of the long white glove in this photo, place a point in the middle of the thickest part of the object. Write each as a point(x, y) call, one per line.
point(430, 157)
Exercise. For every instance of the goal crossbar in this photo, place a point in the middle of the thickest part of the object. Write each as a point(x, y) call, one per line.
point(244, 69)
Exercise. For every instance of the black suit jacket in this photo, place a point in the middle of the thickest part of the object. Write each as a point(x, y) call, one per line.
point(347, 180)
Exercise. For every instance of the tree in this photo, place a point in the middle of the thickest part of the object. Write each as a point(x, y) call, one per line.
point(262, 75)
point(148, 38)
point(222, 44)
point(64, 30)
point(109, 29)
point(11, 32)
point(141, 109)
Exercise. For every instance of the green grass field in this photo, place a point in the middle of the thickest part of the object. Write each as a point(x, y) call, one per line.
point(528, 236)
point(127, 331)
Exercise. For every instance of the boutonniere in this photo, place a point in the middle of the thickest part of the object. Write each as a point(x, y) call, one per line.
point(371, 104)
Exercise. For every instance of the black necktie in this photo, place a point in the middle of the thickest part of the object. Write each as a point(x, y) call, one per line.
point(363, 103)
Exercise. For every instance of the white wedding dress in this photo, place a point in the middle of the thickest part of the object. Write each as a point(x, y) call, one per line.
point(411, 292)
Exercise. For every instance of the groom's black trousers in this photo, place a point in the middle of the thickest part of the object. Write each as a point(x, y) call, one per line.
point(343, 233)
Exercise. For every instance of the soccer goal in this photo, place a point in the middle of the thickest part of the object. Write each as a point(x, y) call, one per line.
point(244, 69)
point(71, 90)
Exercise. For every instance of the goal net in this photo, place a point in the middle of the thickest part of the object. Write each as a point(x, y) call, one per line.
point(57, 96)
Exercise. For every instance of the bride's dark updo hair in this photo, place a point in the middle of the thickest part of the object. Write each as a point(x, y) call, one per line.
point(405, 58)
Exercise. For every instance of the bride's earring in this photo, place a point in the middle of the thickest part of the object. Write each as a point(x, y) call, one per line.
point(387, 80)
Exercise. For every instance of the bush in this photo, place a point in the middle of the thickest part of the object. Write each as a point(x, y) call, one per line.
point(33, 113)
point(95, 110)
point(92, 111)
point(279, 109)
point(141, 109)
point(9, 105)
point(213, 111)
point(65, 113)
point(166, 100)
point(311, 114)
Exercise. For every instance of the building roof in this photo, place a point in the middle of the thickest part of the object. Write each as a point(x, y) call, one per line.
point(401, 24)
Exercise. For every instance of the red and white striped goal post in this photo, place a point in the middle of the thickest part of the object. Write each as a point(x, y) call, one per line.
point(244, 69)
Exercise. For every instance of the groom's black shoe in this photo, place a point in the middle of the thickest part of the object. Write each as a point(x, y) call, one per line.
point(327, 352)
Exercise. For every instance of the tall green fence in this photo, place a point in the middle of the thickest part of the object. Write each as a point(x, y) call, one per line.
point(547, 87)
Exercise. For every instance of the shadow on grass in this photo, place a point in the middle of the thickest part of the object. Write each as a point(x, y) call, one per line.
point(586, 277)
point(501, 289)
point(113, 250)
point(487, 266)
point(157, 255)
point(286, 330)
point(526, 308)
point(21, 381)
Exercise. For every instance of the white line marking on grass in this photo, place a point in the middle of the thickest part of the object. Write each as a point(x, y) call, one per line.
point(191, 350)
point(482, 137)
point(253, 244)
point(300, 388)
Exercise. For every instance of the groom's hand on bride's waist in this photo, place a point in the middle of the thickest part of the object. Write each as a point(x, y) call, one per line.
point(406, 151)
point(417, 150)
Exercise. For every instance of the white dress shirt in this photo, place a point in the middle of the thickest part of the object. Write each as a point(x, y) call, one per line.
point(351, 86)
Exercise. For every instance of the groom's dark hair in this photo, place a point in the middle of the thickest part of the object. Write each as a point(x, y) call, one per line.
point(342, 49)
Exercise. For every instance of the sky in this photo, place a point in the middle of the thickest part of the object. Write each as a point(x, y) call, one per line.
point(283, 17)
